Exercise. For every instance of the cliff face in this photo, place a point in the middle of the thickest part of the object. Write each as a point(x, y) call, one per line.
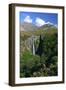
point(30, 44)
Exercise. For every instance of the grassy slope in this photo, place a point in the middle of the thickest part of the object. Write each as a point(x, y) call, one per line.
point(27, 58)
point(25, 34)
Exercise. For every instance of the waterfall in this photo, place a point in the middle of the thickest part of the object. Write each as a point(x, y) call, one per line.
point(33, 49)
point(33, 46)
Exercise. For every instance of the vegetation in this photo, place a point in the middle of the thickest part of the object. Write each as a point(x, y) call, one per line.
point(45, 60)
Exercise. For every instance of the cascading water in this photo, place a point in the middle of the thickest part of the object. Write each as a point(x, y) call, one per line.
point(33, 46)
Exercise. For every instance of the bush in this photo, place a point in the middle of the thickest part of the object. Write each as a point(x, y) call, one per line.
point(44, 63)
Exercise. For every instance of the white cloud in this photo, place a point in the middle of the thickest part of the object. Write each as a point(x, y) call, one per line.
point(28, 19)
point(52, 24)
point(49, 23)
point(39, 22)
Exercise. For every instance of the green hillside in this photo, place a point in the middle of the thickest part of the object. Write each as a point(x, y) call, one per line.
point(26, 34)
point(44, 61)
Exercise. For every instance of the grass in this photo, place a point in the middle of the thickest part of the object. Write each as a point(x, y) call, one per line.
point(25, 34)
point(30, 65)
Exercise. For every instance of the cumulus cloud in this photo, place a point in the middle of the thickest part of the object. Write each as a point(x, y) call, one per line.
point(52, 24)
point(49, 23)
point(28, 19)
point(39, 22)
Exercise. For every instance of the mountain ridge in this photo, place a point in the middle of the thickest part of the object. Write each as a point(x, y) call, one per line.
point(31, 27)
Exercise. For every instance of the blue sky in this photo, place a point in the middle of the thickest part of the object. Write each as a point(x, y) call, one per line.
point(39, 19)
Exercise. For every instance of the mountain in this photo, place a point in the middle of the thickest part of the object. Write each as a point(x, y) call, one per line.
point(31, 27)
point(30, 33)
point(28, 27)
point(48, 27)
